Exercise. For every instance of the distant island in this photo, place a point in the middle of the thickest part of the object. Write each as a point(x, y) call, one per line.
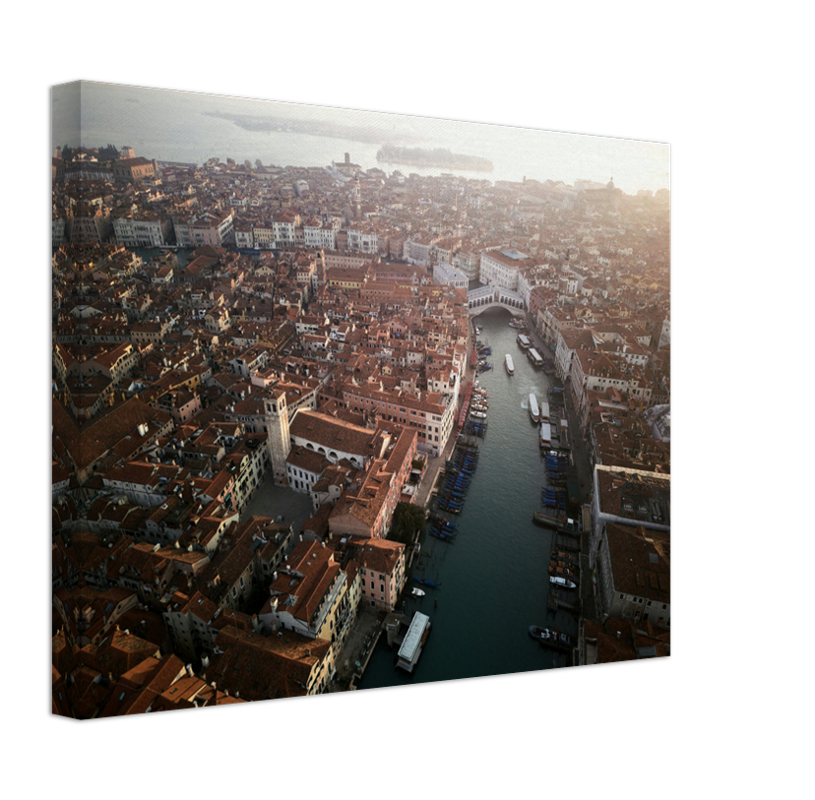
point(438, 157)
point(309, 127)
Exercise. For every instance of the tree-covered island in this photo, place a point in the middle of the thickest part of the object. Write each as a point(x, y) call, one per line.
point(437, 157)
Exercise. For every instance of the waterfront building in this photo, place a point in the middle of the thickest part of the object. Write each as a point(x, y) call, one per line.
point(431, 414)
point(319, 234)
point(382, 572)
point(638, 501)
point(142, 229)
point(206, 228)
point(500, 268)
point(634, 574)
point(313, 596)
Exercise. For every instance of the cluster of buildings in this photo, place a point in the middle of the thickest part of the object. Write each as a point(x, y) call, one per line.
point(306, 327)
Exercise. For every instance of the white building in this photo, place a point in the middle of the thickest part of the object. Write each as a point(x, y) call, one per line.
point(500, 268)
point(362, 240)
point(144, 232)
point(320, 236)
point(450, 276)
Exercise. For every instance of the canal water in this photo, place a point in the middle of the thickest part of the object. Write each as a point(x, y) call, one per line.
point(494, 578)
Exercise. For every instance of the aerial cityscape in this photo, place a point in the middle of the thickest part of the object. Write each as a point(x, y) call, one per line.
point(339, 406)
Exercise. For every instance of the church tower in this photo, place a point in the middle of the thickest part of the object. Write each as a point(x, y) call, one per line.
point(356, 196)
point(279, 441)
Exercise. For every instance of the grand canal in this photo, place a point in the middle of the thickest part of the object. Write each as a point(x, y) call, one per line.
point(494, 578)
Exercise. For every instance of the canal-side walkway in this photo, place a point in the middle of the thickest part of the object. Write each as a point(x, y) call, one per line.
point(581, 460)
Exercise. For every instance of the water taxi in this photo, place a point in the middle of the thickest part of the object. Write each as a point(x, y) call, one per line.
point(534, 412)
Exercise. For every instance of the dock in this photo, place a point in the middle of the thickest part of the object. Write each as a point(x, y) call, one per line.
point(555, 603)
point(560, 647)
point(413, 642)
point(465, 404)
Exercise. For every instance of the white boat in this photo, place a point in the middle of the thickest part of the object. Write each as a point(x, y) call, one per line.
point(478, 415)
point(417, 592)
point(534, 412)
point(562, 582)
point(508, 364)
point(535, 357)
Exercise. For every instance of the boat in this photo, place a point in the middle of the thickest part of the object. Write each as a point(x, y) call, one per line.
point(425, 582)
point(517, 324)
point(442, 523)
point(535, 632)
point(524, 341)
point(535, 357)
point(550, 636)
point(417, 592)
point(563, 583)
point(534, 412)
point(478, 415)
point(545, 435)
point(508, 363)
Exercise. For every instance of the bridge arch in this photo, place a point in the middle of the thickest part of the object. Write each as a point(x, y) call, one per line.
point(486, 297)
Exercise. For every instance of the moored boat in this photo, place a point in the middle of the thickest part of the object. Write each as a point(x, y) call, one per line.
point(563, 583)
point(535, 357)
point(550, 636)
point(417, 592)
point(425, 582)
point(533, 407)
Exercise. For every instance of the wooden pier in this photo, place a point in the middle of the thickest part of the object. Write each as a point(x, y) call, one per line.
point(555, 602)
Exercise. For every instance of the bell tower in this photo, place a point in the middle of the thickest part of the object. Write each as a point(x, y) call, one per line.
point(279, 441)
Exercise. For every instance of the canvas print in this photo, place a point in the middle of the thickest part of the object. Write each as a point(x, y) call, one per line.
point(348, 400)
